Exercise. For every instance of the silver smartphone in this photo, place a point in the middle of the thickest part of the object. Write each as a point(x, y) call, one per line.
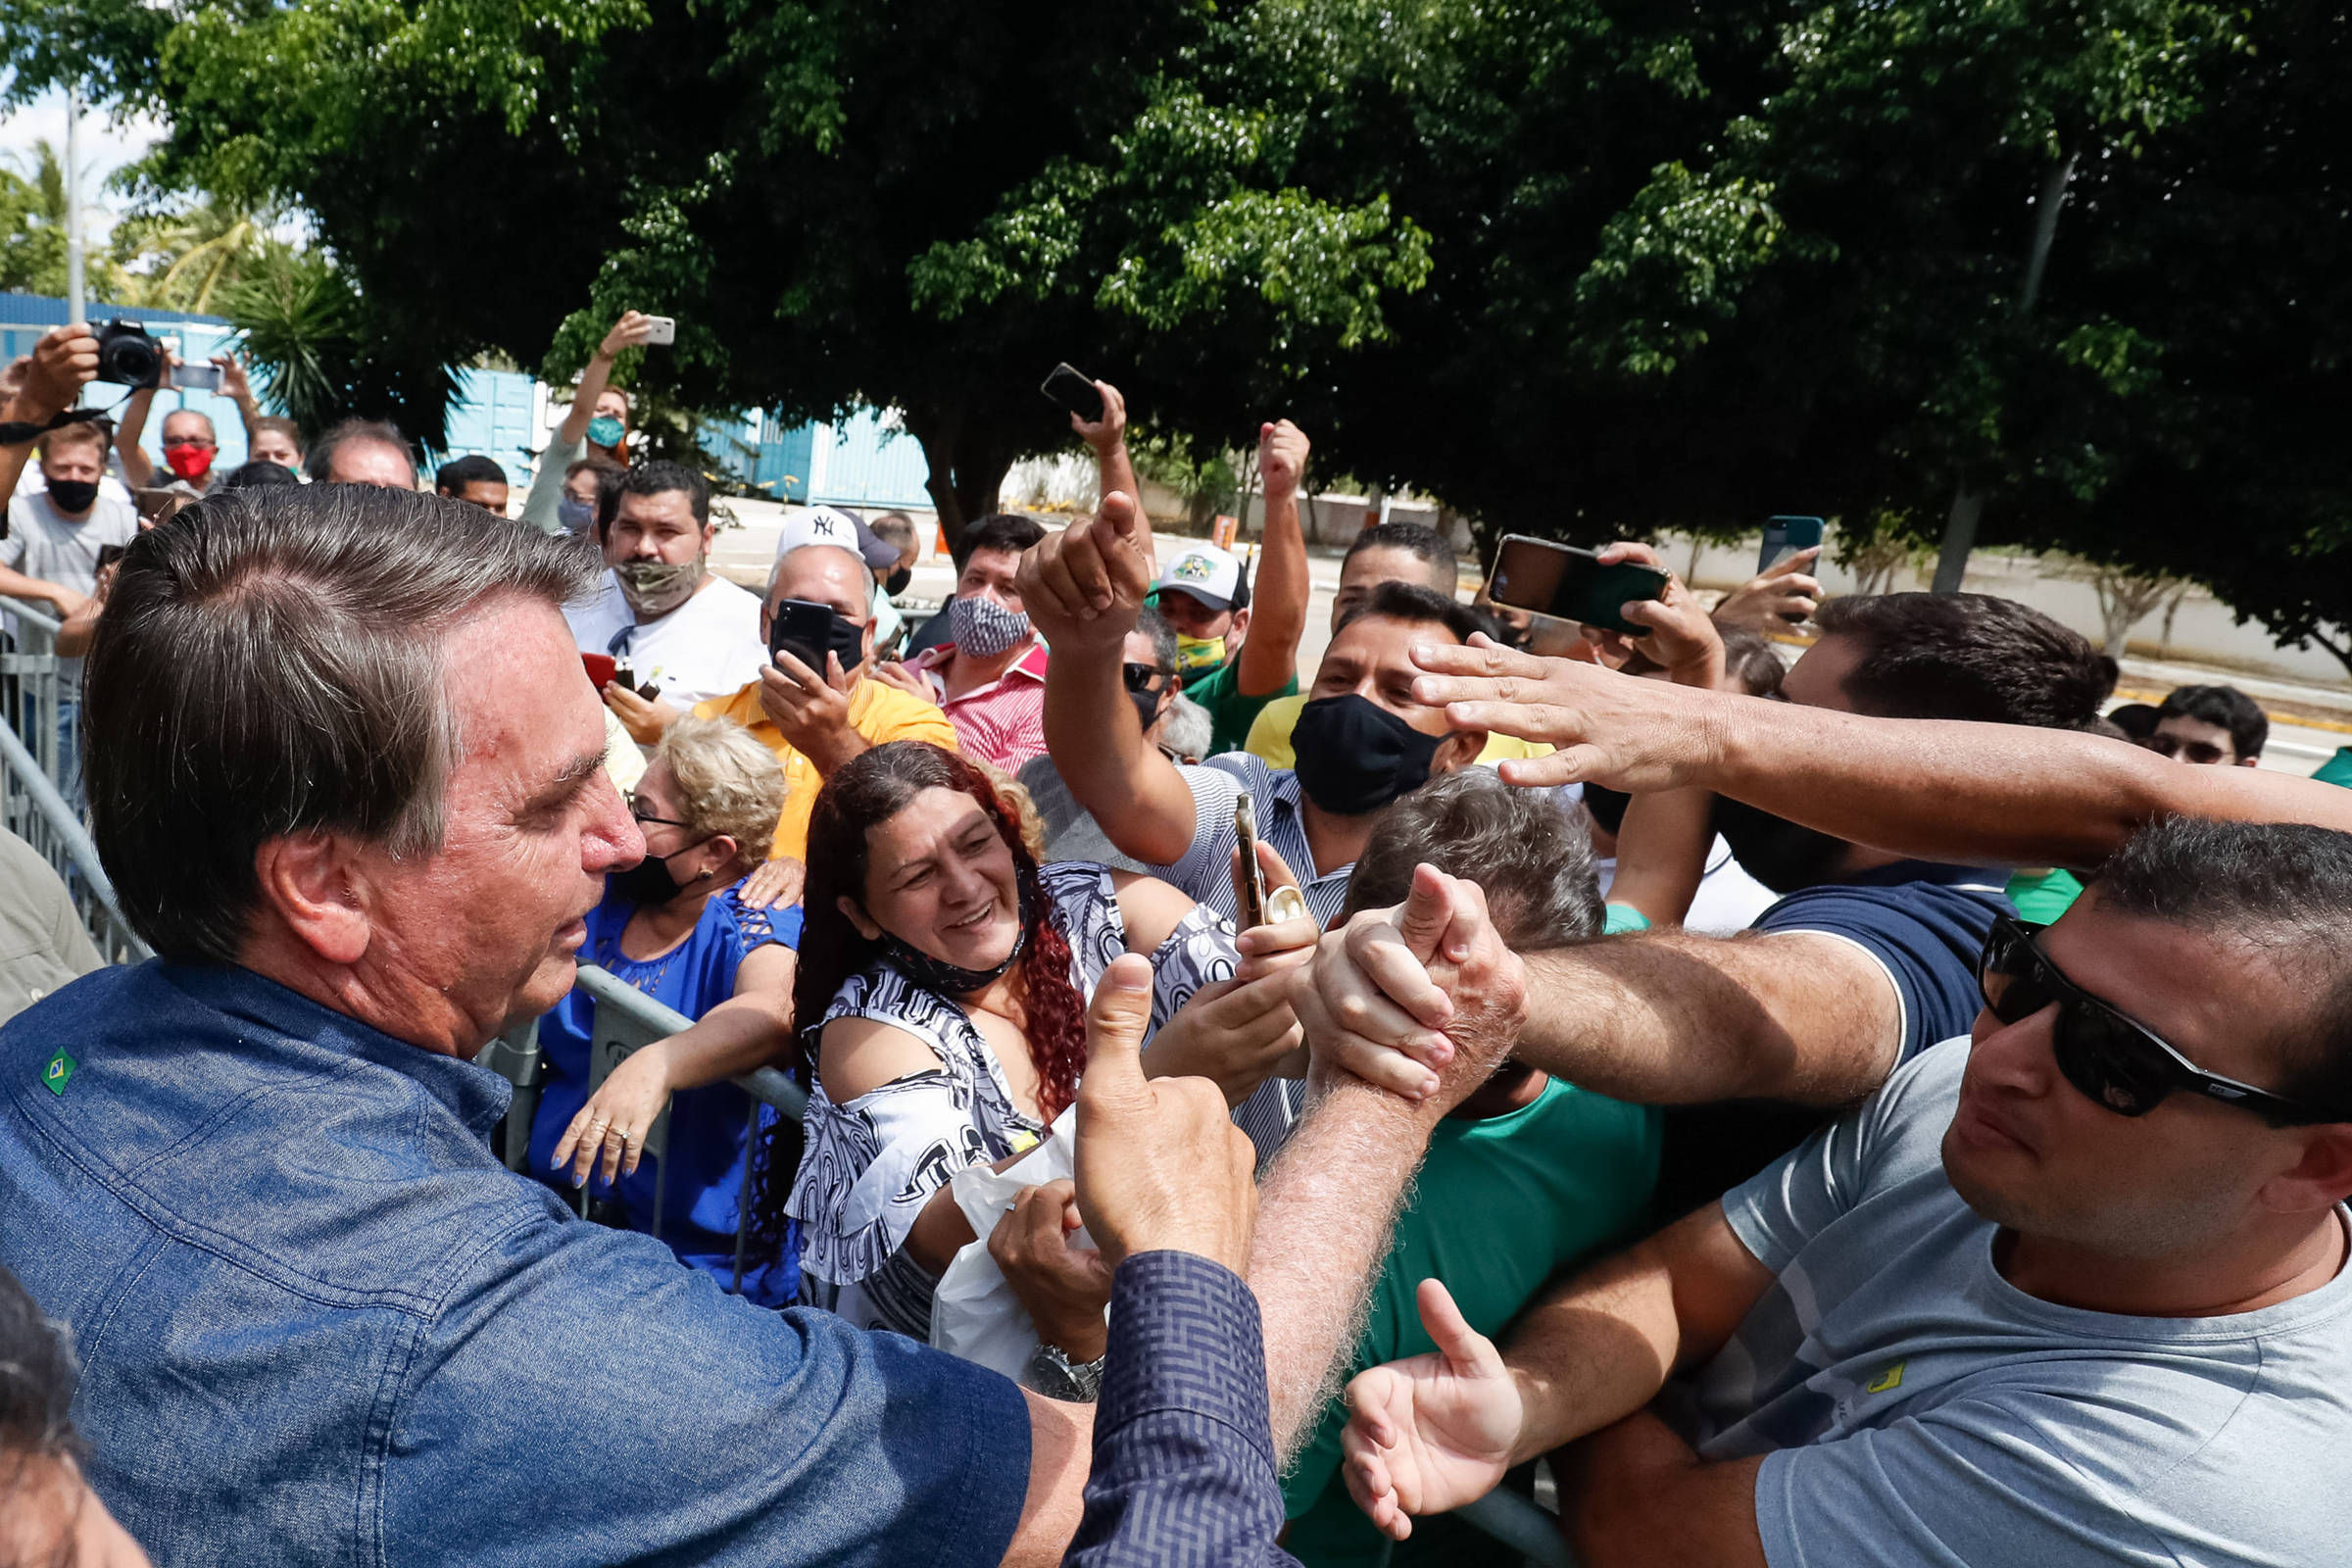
point(196, 377)
point(661, 330)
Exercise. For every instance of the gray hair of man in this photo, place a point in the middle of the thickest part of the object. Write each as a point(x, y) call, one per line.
point(370, 432)
point(1533, 859)
point(271, 662)
point(1187, 728)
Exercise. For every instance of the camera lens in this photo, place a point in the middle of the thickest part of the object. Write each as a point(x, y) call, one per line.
point(134, 362)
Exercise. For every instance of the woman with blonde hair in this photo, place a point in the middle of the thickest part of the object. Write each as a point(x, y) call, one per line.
point(676, 926)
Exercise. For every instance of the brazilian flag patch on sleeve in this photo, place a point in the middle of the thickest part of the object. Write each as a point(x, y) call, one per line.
point(60, 1069)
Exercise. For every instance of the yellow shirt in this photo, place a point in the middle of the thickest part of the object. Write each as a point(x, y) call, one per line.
point(878, 711)
point(1270, 737)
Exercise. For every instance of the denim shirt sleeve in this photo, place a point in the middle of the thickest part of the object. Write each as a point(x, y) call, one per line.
point(584, 1399)
point(1184, 1457)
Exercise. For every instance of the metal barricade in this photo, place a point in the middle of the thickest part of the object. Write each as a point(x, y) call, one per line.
point(627, 1021)
point(33, 770)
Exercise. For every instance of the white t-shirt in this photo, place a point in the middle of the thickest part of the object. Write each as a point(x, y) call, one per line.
point(1916, 1407)
point(1727, 900)
point(43, 542)
point(708, 647)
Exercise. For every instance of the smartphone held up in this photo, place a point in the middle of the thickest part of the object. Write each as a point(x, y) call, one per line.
point(1567, 584)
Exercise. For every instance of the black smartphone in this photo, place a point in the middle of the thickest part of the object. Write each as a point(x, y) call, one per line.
point(1784, 537)
point(801, 629)
point(1567, 584)
point(108, 555)
point(1065, 388)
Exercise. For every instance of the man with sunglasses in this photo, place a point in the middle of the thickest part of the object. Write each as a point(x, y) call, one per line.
point(2072, 1290)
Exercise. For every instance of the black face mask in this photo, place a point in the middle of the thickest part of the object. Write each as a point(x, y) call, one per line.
point(1355, 756)
point(896, 583)
point(649, 883)
point(946, 979)
point(1147, 707)
point(1781, 855)
point(1607, 806)
point(73, 496)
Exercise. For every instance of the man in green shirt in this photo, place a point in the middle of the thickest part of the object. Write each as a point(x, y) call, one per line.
point(1236, 658)
point(1528, 1177)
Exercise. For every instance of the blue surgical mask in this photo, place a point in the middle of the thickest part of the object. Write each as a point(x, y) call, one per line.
point(577, 516)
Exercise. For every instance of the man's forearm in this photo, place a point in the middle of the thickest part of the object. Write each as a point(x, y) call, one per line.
point(1114, 471)
point(1672, 1018)
point(14, 584)
point(1983, 794)
point(1097, 744)
point(1326, 1209)
point(1278, 621)
point(135, 467)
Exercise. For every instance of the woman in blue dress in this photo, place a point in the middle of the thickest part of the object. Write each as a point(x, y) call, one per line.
point(677, 927)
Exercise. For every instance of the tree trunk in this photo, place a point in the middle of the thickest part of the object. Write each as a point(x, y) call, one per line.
point(964, 470)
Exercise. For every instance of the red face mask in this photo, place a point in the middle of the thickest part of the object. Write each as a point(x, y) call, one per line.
point(189, 459)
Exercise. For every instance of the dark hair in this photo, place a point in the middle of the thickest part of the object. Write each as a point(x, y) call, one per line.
point(2137, 721)
point(271, 664)
point(1006, 532)
point(2224, 706)
point(321, 458)
point(595, 462)
point(1969, 656)
point(1749, 658)
point(36, 1385)
point(1534, 860)
point(455, 475)
point(1410, 600)
point(659, 477)
point(870, 790)
point(1424, 544)
point(895, 527)
point(248, 475)
point(2283, 889)
point(1155, 625)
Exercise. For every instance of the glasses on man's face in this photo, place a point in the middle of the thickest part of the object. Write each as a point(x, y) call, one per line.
point(2203, 753)
point(2118, 1063)
point(1142, 677)
point(643, 815)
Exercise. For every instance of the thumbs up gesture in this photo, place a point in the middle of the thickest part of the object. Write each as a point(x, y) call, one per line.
point(1161, 1165)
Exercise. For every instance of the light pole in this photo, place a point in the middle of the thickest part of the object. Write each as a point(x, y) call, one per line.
point(77, 307)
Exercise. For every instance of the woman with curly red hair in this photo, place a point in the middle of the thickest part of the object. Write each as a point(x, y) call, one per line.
point(944, 978)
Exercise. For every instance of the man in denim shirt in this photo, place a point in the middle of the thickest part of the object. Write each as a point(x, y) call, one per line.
point(346, 775)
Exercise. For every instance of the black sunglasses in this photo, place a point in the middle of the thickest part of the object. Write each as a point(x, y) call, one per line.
point(1139, 677)
point(2118, 1063)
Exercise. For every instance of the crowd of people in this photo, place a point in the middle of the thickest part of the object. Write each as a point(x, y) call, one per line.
point(1888, 1105)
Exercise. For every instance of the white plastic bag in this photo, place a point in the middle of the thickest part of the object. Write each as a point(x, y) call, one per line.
point(974, 1313)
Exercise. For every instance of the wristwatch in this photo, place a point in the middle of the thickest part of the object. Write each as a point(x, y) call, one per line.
point(1058, 1377)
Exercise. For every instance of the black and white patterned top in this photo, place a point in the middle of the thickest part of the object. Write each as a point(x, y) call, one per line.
point(870, 1166)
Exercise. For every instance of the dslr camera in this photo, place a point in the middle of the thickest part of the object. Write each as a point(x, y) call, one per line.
point(129, 354)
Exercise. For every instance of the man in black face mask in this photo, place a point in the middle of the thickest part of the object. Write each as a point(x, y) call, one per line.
point(1363, 740)
point(1868, 960)
point(818, 708)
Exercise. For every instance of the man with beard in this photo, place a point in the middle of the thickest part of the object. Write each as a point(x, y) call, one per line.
point(662, 615)
point(1867, 959)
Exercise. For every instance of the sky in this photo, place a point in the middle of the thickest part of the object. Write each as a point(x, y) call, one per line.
point(105, 146)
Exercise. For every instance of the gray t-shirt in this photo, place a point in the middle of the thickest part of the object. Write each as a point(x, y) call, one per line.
point(42, 542)
point(1915, 1407)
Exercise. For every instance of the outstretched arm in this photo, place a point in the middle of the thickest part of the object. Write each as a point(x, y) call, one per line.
point(626, 333)
point(1437, 1430)
point(1083, 589)
point(138, 470)
point(1972, 794)
point(1114, 469)
point(1277, 614)
point(1329, 1201)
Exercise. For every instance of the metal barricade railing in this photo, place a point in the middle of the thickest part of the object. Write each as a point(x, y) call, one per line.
point(627, 1021)
point(36, 769)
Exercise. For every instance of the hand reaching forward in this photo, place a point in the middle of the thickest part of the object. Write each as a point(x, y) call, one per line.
point(1061, 1285)
point(1161, 1165)
point(1434, 1432)
point(1782, 594)
point(1084, 586)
